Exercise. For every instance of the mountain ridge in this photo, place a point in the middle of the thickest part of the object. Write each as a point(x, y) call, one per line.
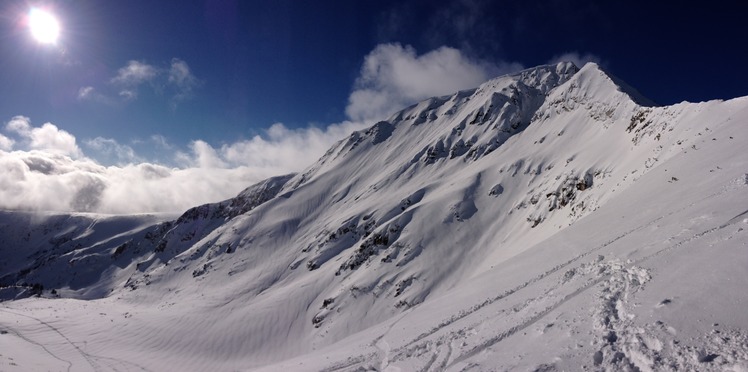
point(512, 190)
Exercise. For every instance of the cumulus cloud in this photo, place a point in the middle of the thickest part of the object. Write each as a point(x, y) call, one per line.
point(6, 144)
point(43, 178)
point(47, 137)
point(394, 76)
point(50, 138)
point(20, 125)
point(205, 156)
point(576, 58)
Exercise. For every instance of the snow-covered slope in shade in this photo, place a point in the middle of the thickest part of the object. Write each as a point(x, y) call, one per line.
point(550, 219)
point(87, 255)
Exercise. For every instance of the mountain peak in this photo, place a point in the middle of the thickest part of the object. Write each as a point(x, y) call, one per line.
point(542, 78)
point(597, 82)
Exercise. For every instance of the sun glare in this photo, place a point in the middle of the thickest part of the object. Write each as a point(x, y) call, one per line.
point(44, 26)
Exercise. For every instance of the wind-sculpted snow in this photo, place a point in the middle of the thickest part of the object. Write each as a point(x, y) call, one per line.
point(553, 219)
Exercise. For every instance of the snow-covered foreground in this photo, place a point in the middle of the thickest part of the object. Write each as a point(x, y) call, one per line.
point(545, 221)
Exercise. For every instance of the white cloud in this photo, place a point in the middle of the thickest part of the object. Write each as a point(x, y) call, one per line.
point(50, 138)
point(286, 150)
point(134, 74)
point(43, 177)
point(6, 144)
point(131, 77)
point(181, 81)
point(123, 154)
point(128, 94)
point(20, 125)
point(176, 82)
point(90, 94)
point(179, 73)
point(280, 150)
point(161, 141)
point(43, 180)
point(181, 76)
point(86, 93)
point(574, 57)
point(39, 180)
point(205, 155)
point(47, 137)
point(394, 76)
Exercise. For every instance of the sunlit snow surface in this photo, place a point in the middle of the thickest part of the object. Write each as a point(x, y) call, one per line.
point(543, 221)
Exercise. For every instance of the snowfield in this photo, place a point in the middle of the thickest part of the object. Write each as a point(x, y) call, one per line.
point(552, 219)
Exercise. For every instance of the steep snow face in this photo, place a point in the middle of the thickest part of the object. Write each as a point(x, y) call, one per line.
point(430, 237)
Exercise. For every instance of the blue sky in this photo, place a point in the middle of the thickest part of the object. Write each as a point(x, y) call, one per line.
point(266, 86)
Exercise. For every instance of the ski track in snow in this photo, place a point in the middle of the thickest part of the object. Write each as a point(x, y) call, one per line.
point(45, 341)
point(621, 347)
point(554, 270)
point(46, 350)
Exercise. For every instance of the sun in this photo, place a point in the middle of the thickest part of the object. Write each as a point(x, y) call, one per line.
point(44, 26)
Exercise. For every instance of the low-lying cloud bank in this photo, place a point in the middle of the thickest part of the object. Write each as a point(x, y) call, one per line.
point(53, 174)
point(45, 168)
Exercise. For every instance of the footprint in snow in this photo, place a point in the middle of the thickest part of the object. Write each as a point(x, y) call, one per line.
point(664, 303)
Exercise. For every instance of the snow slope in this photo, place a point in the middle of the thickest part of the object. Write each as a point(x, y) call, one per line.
point(553, 219)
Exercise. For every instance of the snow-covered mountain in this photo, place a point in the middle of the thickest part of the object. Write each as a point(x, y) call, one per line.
point(552, 219)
